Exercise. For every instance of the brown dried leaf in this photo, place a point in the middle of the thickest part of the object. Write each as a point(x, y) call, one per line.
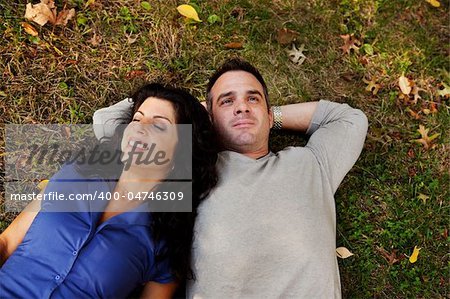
point(391, 258)
point(405, 85)
point(415, 115)
point(343, 252)
point(133, 74)
point(29, 29)
point(41, 13)
point(426, 141)
point(372, 85)
point(238, 13)
point(286, 36)
point(350, 42)
point(234, 45)
point(67, 133)
point(64, 16)
point(95, 40)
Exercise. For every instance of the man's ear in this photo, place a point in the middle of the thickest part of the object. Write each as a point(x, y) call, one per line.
point(271, 117)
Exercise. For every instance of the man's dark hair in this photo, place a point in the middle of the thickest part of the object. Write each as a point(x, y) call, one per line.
point(235, 64)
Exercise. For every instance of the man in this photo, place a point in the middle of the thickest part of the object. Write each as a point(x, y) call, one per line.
point(268, 230)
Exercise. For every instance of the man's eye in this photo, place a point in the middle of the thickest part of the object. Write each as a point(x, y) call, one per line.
point(135, 119)
point(253, 99)
point(226, 101)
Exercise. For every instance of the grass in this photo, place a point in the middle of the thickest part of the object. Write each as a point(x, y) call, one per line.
point(112, 47)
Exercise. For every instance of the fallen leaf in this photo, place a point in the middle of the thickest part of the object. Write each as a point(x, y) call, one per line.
point(343, 252)
point(415, 115)
point(238, 13)
point(64, 16)
point(412, 172)
point(146, 5)
point(134, 74)
point(96, 39)
point(414, 255)
point(415, 92)
point(89, 3)
point(42, 184)
point(67, 133)
point(350, 42)
point(433, 108)
point(188, 12)
point(405, 85)
point(445, 92)
point(296, 55)
point(391, 258)
point(368, 49)
point(45, 11)
point(131, 39)
point(29, 29)
point(286, 36)
point(423, 197)
point(41, 13)
point(426, 141)
point(372, 85)
point(435, 3)
point(21, 162)
point(213, 19)
point(234, 45)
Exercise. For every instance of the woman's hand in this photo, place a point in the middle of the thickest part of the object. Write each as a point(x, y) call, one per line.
point(15, 232)
point(155, 290)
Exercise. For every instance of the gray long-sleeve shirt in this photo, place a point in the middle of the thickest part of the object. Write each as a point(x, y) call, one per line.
point(268, 230)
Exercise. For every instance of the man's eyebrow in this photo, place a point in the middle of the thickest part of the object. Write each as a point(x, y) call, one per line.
point(223, 95)
point(156, 116)
point(255, 91)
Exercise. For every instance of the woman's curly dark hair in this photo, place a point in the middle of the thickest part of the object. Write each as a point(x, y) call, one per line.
point(175, 229)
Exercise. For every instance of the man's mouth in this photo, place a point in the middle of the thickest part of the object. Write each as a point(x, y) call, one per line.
point(243, 123)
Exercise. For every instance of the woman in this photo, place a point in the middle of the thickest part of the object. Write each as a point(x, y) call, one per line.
point(108, 254)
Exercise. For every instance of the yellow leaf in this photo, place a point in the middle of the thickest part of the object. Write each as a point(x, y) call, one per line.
point(404, 84)
point(88, 3)
point(188, 11)
point(343, 252)
point(29, 29)
point(435, 3)
point(414, 255)
point(423, 197)
point(445, 92)
point(42, 184)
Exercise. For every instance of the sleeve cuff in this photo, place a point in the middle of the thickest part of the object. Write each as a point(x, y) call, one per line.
point(318, 117)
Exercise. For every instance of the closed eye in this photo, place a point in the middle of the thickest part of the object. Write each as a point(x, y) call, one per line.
point(160, 127)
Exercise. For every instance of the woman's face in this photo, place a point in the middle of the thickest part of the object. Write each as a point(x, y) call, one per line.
point(151, 138)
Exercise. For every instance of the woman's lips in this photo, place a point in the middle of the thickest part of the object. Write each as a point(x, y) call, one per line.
point(138, 145)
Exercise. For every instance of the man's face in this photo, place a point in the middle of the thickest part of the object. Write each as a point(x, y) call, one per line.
point(240, 113)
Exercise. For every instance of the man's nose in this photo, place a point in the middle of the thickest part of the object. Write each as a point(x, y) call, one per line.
point(241, 107)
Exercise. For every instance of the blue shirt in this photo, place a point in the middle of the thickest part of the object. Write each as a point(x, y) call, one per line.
point(67, 255)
